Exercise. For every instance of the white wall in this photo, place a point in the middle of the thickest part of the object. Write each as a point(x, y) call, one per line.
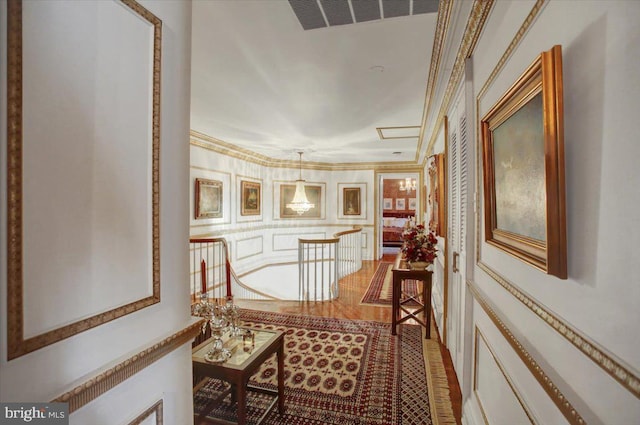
point(47, 373)
point(255, 241)
point(596, 307)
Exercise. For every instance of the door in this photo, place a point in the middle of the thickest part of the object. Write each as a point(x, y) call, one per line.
point(457, 234)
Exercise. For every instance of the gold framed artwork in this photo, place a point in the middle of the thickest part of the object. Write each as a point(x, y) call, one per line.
point(400, 204)
point(314, 195)
point(250, 198)
point(436, 195)
point(524, 177)
point(387, 204)
point(412, 204)
point(351, 201)
point(208, 199)
point(133, 152)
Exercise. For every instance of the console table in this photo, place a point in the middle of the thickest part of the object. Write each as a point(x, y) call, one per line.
point(238, 369)
point(400, 311)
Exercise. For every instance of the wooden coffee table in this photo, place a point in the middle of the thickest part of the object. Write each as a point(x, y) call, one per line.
point(238, 369)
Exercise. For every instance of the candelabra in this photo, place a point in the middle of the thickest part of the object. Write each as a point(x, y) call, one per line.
point(216, 318)
point(232, 312)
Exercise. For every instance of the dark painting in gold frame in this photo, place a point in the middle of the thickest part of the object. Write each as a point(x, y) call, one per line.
point(523, 157)
point(250, 198)
point(351, 201)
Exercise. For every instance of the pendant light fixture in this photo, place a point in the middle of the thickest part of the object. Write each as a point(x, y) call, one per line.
point(407, 185)
point(300, 204)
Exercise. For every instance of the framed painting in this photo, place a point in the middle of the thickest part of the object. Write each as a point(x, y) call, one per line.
point(208, 196)
point(387, 204)
point(250, 198)
point(436, 194)
point(412, 204)
point(524, 178)
point(314, 195)
point(352, 201)
point(400, 204)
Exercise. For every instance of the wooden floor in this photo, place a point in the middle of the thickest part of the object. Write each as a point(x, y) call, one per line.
point(348, 306)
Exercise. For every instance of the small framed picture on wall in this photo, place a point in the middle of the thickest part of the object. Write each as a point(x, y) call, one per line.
point(208, 198)
point(250, 198)
point(400, 204)
point(352, 200)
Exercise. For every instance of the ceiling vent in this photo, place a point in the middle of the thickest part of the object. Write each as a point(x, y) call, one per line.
point(314, 14)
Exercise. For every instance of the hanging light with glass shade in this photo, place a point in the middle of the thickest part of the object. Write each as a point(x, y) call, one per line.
point(300, 204)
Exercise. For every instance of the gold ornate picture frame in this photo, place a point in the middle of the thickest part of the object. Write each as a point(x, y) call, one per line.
point(314, 195)
point(18, 343)
point(208, 198)
point(524, 178)
point(250, 198)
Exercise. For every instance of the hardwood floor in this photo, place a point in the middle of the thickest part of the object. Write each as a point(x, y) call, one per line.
point(348, 306)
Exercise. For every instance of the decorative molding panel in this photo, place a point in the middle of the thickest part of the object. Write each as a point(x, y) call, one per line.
point(100, 384)
point(20, 261)
point(607, 361)
point(155, 411)
point(289, 241)
point(567, 409)
point(249, 247)
point(480, 339)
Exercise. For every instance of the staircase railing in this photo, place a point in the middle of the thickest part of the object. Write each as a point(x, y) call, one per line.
point(318, 269)
point(209, 258)
point(323, 262)
point(350, 251)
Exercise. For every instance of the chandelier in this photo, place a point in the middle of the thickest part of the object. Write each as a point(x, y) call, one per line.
point(300, 204)
point(407, 185)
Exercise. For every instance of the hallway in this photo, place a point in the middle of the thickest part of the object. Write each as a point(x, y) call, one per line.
point(347, 306)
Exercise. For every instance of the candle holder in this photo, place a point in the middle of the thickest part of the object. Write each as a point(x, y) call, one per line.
point(215, 318)
point(232, 313)
point(217, 353)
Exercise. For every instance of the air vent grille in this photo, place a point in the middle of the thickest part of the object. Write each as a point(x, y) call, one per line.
point(314, 14)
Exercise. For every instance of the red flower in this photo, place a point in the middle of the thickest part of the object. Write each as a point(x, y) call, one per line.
point(419, 244)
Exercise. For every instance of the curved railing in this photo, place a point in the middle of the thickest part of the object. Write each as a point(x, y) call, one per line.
point(323, 262)
point(217, 275)
point(350, 251)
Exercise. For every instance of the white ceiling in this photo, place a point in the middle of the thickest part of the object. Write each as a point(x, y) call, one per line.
point(261, 82)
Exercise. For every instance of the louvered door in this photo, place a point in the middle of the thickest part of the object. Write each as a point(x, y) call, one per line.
point(458, 164)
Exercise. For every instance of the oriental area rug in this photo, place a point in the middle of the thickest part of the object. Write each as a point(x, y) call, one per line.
point(380, 287)
point(344, 372)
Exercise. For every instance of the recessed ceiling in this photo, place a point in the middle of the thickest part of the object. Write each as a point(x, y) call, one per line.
point(262, 82)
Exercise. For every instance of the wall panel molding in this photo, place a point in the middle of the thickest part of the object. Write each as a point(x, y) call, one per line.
point(17, 345)
point(249, 247)
point(100, 384)
point(479, 336)
point(598, 354)
point(156, 410)
point(558, 398)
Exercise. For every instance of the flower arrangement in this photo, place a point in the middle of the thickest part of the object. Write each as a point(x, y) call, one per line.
point(419, 244)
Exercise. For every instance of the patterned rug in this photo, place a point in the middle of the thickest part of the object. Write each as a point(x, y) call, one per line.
point(380, 289)
point(343, 372)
